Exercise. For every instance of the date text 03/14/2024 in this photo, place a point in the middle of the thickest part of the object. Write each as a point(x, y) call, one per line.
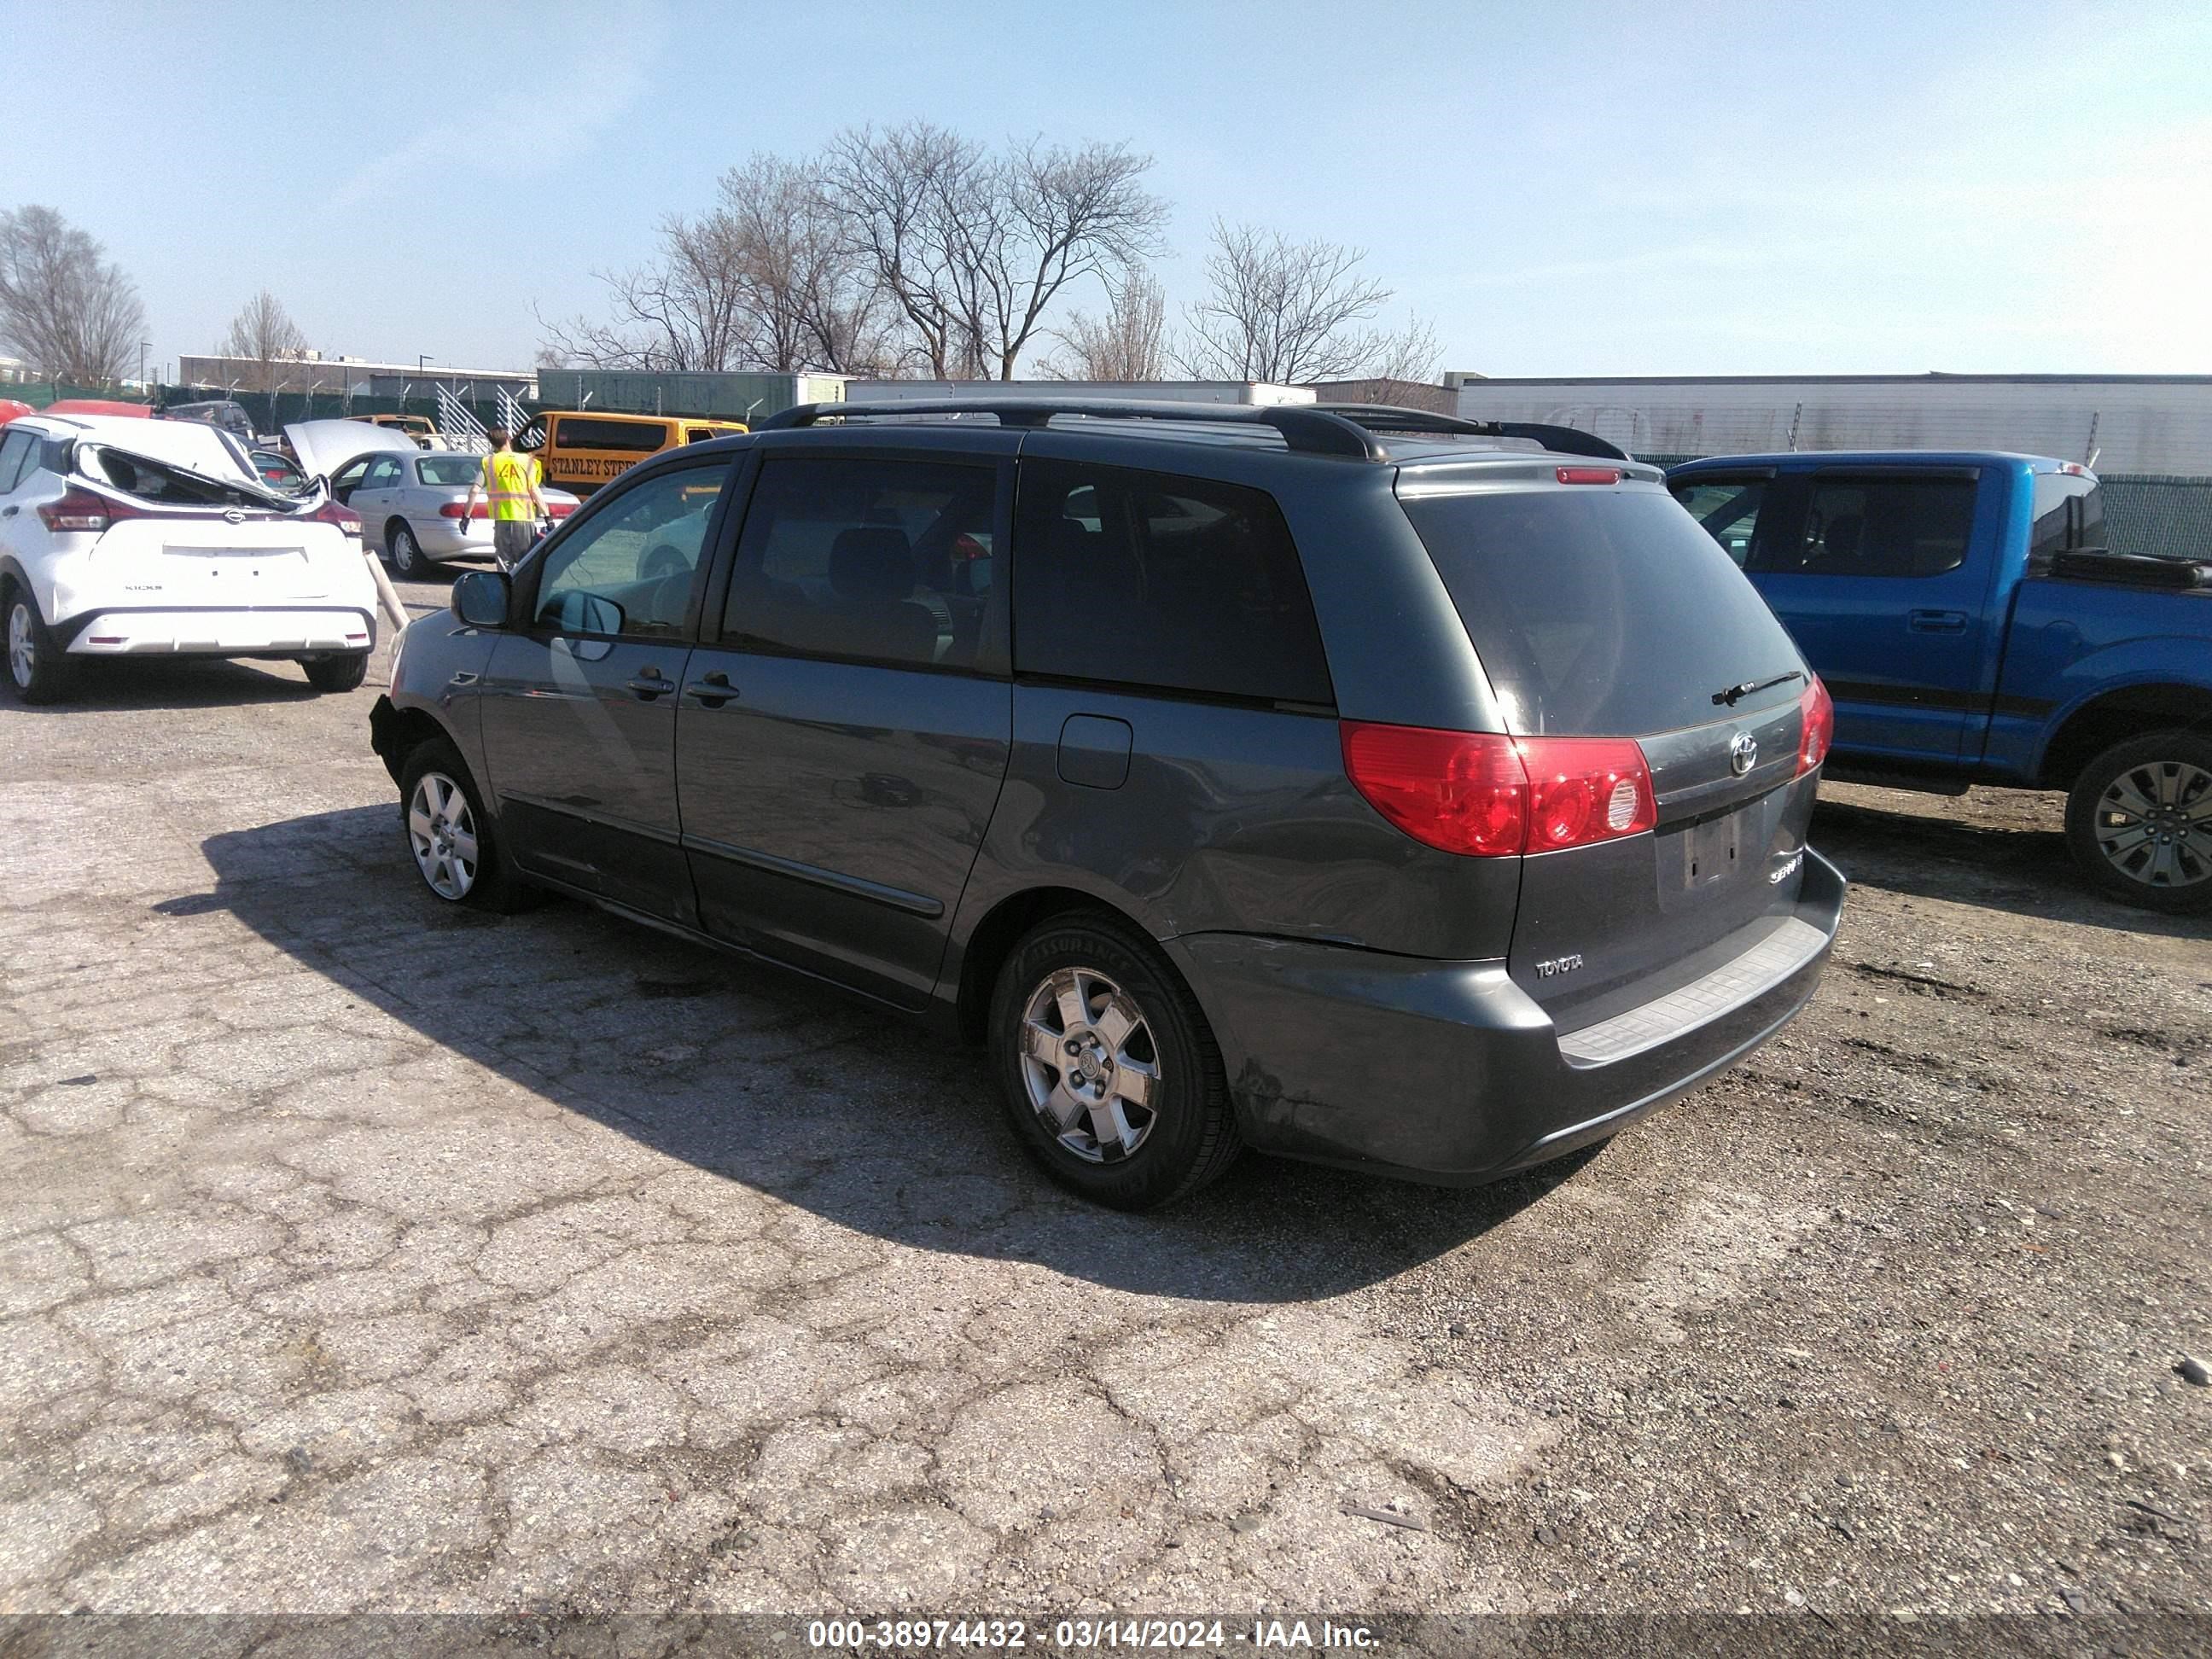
point(1081, 1635)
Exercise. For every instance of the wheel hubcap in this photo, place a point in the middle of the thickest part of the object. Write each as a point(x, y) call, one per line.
point(2155, 824)
point(442, 832)
point(22, 655)
point(1090, 1065)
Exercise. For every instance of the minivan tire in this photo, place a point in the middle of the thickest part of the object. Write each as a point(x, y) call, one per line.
point(1188, 1134)
point(37, 668)
point(2185, 759)
point(492, 883)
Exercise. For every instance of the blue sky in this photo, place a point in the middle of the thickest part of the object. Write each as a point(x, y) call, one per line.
point(1560, 188)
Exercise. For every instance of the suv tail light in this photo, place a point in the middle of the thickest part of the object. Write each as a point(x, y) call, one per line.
point(1491, 796)
point(80, 509)
point(347, 521)
point(1818, 711)
point(1589, 475)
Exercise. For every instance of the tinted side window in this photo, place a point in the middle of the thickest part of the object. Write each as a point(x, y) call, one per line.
point(2069, 515)
point(639, 437)
point(1729, 509)
point(626, 569)
point(878, 560)
point(15, 450)
point(1149, 579)
point(1877, 527)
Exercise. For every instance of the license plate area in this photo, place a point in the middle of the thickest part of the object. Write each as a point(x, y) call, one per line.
point(1713, 853)
point(241, 564)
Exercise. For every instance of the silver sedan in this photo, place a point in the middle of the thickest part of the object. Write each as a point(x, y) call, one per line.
point(411, 503)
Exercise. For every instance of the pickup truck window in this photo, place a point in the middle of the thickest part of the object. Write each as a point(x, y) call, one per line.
point(1877, 527)
point(1727, 508)
point(2069, 515)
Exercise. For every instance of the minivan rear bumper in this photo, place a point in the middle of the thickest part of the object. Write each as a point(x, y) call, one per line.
point(1447, 1072)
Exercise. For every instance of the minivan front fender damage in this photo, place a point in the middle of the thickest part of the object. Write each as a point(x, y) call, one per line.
point(1445, 1071)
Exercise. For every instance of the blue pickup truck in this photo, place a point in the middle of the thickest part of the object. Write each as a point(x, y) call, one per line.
point(1973, 628)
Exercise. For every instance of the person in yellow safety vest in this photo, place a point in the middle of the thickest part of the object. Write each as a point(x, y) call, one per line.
point(509, 482)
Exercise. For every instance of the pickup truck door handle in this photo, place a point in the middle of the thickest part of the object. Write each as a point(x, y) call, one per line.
point(10, 512)
point(713, 691)
point(1937, 622)
point(652, 683)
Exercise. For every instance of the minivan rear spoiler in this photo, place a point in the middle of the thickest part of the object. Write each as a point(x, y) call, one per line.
point(1560, 440)
point(1342, 429)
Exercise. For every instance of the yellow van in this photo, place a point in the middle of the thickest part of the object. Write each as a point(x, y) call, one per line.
point(581, 450)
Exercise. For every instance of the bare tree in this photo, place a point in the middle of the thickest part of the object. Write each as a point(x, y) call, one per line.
point(63, 309)
point(1411, 353)
point(682, 313)
point(1292, 311)
point(973, 249)
point(812, 301)
point(264, 335)
point(1129, 342)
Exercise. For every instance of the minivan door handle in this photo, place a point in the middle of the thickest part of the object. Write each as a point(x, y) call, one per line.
point(712, 690)
point(651, 684)
point(1937, 622)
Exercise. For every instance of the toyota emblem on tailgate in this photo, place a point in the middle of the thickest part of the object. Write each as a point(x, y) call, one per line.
point(1743, 753)
point(232, 515)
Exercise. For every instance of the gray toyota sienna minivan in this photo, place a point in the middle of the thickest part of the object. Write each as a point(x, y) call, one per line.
point(1354, 784)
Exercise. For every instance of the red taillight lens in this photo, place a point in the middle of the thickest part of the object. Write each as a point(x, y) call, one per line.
point(1585, 789)
point(560, 509)
point(347, 521)
point(1464, 791)
point(453, 509)
point(1595, 475)
point(80, 509)
point(1818, 711)
point(1491, 796)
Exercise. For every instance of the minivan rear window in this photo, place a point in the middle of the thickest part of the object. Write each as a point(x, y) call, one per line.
point(1602, 612)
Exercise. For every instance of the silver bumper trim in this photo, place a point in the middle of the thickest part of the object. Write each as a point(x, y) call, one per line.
point(1792, 944)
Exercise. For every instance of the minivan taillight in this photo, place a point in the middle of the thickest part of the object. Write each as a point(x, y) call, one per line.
point(80, 509)
point(1586, 789)
point(1488, 795)
point(1817, 711)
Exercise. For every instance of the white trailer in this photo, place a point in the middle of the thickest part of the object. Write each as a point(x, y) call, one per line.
point(1259, 392)
point(2137, 424)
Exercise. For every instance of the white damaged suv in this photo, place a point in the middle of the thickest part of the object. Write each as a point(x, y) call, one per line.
point(122, 537)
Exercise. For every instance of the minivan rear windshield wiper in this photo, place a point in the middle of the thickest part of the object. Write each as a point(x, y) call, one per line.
point(1731, 695)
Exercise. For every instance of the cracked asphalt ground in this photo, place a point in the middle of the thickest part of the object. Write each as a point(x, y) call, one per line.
point(362, 1254)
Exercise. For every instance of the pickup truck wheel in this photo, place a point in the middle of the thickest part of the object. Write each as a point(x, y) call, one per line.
point(2139, 821)
point(37, 669)
point(1111, 1076)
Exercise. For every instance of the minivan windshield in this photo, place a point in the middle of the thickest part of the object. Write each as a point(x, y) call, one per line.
point(1603, 612)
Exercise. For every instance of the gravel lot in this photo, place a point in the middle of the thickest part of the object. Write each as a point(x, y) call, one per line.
point(363, 1254)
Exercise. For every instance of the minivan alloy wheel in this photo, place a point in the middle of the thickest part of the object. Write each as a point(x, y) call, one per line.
point(443, 831)
point(1090, 1065)
point(2153, 824)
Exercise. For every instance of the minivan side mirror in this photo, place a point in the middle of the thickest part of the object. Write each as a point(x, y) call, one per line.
point(481, 599)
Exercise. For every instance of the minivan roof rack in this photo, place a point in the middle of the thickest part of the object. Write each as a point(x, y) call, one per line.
point(1303, 428)
point(1388, 417)
point(1345, 429)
